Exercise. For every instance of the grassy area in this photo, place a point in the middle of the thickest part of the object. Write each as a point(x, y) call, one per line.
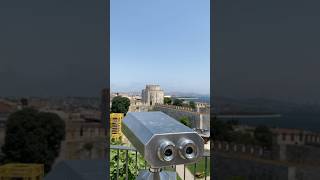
point(200, 167)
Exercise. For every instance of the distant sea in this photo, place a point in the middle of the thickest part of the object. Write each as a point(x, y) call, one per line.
point(296, 121)
point(204, 99)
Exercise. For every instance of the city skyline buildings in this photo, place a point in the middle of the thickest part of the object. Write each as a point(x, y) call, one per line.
point(135, 89)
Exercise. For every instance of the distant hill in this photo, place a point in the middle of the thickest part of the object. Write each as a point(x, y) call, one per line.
point(186, 94)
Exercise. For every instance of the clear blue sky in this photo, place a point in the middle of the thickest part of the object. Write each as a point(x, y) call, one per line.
point(165, 42)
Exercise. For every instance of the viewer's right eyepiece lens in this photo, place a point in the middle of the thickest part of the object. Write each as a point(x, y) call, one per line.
point(187, 149)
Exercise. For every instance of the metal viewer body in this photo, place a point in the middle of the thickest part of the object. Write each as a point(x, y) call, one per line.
point(161, 140)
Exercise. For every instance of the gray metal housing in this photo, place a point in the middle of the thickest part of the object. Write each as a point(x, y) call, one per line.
point(150, 132)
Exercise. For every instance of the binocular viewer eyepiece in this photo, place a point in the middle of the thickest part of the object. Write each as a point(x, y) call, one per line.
point(166, 151)
point(162, 140)
point(185, 148)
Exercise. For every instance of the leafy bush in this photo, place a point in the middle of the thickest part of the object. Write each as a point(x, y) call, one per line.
point(133, 165)
point(167, 100)
point(186, 121)
point(199, 174)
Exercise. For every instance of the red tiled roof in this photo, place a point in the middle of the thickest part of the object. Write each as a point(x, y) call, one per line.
point(6, 108)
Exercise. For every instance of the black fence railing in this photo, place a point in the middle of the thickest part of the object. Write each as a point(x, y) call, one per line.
point(187, 172)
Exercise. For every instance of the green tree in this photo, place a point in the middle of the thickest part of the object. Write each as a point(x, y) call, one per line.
point(33, 137)
point(263, 136)
point(186, 121)
point(223, 131)
point(120, 105)
point(167, 100)
point(24, 102)
point(242, 138)
point(115, 142)
point(177, 102)
point(192, 104)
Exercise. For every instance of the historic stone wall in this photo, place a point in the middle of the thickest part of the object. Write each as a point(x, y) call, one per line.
point(303, 154)
point(307, 173)
point(290, 153)
point(198, 120)
point(83, 141)
point(204, 121)
point(288, 162)
point(242, 150)
point(232, 167)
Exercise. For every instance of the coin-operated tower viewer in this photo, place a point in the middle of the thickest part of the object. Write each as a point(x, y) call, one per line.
point(162, 141)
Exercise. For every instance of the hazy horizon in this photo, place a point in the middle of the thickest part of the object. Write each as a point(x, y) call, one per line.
point(137, 87)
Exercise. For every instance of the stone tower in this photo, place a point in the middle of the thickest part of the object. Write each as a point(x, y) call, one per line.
point(152, 95)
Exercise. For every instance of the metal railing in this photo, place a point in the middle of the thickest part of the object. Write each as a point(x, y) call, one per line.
point(127, 149)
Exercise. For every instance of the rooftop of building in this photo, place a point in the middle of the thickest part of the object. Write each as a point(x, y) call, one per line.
point(153, 87)
point(292, 131)
point(6, 107)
